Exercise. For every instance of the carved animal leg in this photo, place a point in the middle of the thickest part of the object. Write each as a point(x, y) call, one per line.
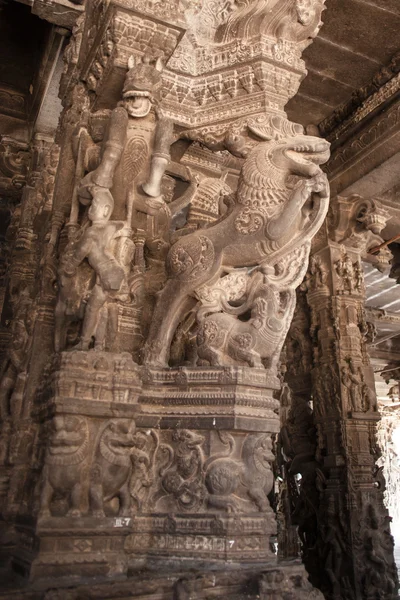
point(45, 497)
point(258, 496)
point(170, 308)
point(274, 360)
point(75, 510)
point(250, 356)
point(255, 360)
point(223, 502)
point(125, 501)
point(101, 330)
point(96, 499)
point(213, 356)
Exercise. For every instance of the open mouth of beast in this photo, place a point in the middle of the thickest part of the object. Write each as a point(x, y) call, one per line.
point(63, 448)
point(305, 154)
point(136, 94)
point(138, 103)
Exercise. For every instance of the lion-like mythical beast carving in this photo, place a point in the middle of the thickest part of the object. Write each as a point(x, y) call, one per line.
point(253, 472)
point(224, 339)
point(281, 201)
point(295, 20)
point(64, 460)
point(111, 472)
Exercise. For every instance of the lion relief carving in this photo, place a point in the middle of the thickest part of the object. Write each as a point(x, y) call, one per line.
point(227, 478)
point(64, 462)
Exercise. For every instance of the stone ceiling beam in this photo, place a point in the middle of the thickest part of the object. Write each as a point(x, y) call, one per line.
point(58, 12)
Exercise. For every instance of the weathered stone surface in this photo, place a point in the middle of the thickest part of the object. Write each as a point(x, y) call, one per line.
point(150, 284)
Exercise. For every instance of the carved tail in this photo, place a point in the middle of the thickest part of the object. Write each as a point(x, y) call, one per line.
point(228, 441)
point(171, 454)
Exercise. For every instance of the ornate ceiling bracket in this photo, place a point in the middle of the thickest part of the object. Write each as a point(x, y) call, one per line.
point(356, 223)
point(110, 38)
point(60, 12)
point(365, 133)
point(252, 66)
point(206, 81)
point(14, 161)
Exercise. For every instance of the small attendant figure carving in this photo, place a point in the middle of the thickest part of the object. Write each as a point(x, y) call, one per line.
point(95, 245)
point(346, 273)
point(369, 398)
point(15, 363)
point(318, 272)
point(352, 382)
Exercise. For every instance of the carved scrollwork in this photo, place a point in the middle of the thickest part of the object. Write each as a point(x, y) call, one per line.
point(15, 157)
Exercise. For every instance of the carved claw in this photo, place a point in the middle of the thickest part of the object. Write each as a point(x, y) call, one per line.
point(318, 184)
point(74, 512)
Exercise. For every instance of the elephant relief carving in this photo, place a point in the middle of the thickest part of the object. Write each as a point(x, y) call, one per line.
point(120, 470)
point(280, 203)
point(226, 476)
point(64, 464)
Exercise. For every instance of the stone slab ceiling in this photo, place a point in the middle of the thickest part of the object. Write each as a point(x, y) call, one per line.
point(358, 38)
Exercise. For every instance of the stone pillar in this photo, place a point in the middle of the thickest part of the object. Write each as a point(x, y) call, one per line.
point(353, 552)
point(388, 462)
point(176, 268)
point(298, 437)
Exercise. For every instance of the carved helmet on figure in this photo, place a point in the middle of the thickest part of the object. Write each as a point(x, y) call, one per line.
point(143, 81)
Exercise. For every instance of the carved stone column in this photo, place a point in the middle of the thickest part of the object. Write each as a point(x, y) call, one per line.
point(353, 552)
point(388, 462)
point(297, 438)
point(184, 207)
